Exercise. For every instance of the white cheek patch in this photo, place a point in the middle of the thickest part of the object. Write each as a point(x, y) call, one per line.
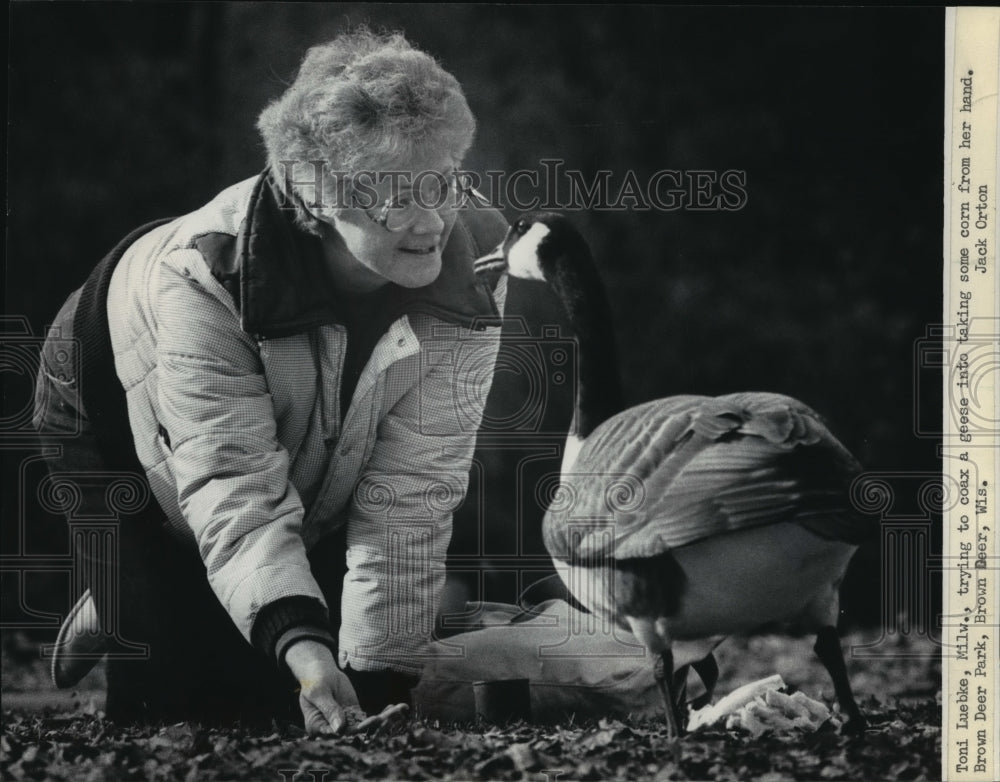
point(571, 450)
point(522, 258)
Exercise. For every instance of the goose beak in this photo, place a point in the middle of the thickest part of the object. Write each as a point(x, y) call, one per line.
point(495, 260)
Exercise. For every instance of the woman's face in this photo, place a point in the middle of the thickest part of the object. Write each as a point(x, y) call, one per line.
point(366, 255)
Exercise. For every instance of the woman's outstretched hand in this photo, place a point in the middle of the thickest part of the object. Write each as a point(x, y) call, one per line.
point(325, 691)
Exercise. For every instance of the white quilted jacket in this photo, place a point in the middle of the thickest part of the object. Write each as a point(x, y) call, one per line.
point(237, 421)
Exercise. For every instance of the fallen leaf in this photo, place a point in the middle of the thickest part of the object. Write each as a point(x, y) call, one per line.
point(490, 767)
point(524, 757)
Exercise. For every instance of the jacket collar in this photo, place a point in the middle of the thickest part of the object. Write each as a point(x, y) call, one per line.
point(284, 287)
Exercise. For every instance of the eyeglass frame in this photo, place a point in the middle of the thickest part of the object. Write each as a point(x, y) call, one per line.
point(457, 178)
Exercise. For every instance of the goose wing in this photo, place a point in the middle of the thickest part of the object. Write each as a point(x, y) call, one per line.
point(671, 472)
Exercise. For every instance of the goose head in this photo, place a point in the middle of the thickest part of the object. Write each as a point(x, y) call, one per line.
point(547, 247)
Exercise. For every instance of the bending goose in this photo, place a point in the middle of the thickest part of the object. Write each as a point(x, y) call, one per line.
point(689, 518)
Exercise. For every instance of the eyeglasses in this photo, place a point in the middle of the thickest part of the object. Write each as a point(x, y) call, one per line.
point(442, 193)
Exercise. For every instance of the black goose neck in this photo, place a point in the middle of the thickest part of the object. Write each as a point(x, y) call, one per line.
point(598, 394)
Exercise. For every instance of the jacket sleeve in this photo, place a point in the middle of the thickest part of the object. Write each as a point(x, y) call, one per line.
point(217, 421)
point(399, 524)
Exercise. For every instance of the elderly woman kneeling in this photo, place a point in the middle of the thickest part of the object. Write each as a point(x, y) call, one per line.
point(297, 371)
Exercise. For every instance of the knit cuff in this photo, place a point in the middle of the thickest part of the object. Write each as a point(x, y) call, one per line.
point(290, 619)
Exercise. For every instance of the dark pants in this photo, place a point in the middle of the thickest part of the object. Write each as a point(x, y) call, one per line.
point(151, 588)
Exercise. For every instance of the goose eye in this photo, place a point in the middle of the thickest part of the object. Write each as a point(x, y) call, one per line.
point(521, 227)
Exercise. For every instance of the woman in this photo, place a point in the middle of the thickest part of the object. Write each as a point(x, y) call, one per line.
point(304, 362)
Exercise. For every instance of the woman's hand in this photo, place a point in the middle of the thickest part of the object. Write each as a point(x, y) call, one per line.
point(325, 691)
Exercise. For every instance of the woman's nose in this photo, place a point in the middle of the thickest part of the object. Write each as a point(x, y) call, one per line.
point(429, 221)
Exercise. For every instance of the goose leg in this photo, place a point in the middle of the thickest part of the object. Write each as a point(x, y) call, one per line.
point(828, 650)
point(665, 681)
point(680, 694)
point(708, 670)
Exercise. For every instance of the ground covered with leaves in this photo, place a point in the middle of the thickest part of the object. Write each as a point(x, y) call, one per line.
point(903, 743)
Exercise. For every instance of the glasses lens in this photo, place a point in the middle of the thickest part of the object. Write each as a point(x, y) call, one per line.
point(401, 216)
point(443, 194)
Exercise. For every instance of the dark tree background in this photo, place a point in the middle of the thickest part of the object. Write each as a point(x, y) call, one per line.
point(819, 287)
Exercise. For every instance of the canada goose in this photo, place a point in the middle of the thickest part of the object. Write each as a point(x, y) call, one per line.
point(689, 518)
